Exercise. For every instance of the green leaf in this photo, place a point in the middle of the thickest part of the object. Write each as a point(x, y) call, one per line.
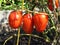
point(1, 2)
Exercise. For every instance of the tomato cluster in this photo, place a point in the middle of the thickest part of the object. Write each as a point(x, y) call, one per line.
point(39, 20)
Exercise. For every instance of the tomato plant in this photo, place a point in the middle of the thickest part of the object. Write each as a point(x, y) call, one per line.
point(15, 19)
point(27, 23)
point(40, 21)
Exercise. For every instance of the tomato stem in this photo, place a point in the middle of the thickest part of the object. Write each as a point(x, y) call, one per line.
point(7, 40)
point(22, 4)
point(56, 16)
point(24, 35)
point(29, 39)
point(18, 36)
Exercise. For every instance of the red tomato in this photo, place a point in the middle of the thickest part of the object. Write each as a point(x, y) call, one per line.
point(50, 4)
point(27, 23)
point(40, 21)
point(15, 19)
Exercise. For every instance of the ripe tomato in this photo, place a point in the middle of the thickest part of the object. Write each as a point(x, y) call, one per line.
point(50, 4)
point(56, 3)
point(27, 23)
point(15, 19)
point(40, 21)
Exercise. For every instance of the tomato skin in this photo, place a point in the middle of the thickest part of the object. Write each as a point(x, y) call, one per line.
point(40, 21)
point(15, 19)
point(27, 23)
point(50, 4)
point(57, 3)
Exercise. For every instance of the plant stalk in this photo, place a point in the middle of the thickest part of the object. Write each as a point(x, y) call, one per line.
point(29, 39)
point(18, 36)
